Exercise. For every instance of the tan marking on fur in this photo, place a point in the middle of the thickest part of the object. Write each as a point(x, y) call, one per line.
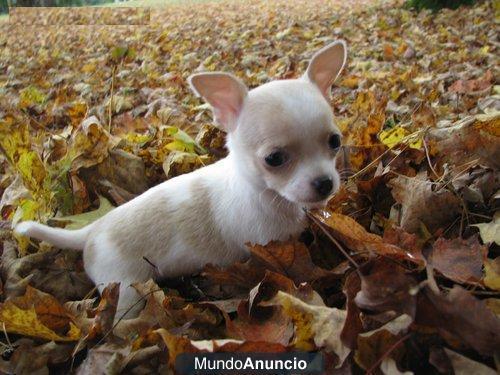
point(195, 222)
point(148, 226)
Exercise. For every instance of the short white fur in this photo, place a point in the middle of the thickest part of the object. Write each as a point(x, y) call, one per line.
point(209, 215)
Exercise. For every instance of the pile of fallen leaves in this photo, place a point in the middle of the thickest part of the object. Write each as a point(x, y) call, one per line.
point(400, 273)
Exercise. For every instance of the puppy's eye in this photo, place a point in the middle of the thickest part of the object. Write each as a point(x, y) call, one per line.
point(276, 158)
point(334, 141)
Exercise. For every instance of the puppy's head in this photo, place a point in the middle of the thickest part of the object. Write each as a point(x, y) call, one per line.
point(282, 134)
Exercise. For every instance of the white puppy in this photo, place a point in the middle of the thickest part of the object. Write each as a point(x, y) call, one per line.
point(282, 144)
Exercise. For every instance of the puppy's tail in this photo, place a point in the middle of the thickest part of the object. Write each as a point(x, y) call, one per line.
point(62, 238)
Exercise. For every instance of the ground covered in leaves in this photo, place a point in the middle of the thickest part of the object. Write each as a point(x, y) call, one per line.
point(94, 109)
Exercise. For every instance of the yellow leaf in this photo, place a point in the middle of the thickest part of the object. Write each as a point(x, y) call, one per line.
point(15, 141)
point(351, 82)
point(77, 112)
point(492, 273)
point(32, 169)
point(25, 322)
point(484, 51)
point(393, 137)
point(178, 162)
point(38, 314)
point(89, 68)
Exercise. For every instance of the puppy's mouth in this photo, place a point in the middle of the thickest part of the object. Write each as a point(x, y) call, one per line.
point(309, 204)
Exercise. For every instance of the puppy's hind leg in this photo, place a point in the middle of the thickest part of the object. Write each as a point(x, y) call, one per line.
point(105, 264)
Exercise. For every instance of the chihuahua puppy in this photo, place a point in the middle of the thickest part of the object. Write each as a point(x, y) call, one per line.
point(282, 143)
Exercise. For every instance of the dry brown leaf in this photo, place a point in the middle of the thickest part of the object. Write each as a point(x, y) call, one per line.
point(120, 168)
point(460, 318)
point(153, 315)
point(472, 85)
point(465, 366)
point(459, 259)
point(265, 324)
point(109, 357)
point(105, 312)
point(474, 139)
point(386, 286)
point(421, 204)
point(356, 238)
point(373, 345)
point(57, 272)
point(404, 240)
point(353, 325)
point(291, 259)
point(31, 358)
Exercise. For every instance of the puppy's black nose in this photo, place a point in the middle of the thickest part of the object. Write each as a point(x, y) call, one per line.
point(323, 185)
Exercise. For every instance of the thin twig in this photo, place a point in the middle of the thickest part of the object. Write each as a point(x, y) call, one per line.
point(481, 216)
point(397, 155)
point(404, 140)
point(331, 238)
point(450, 226)
point(6, 336)
point(429, 158)
point(460, 174)
point(125, 313)
point(110, 109)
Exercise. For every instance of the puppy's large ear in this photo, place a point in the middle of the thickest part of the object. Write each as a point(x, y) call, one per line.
point(326, 65)
point(224, 92)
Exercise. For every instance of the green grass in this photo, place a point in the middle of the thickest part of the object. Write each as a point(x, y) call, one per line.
point(435, 5)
